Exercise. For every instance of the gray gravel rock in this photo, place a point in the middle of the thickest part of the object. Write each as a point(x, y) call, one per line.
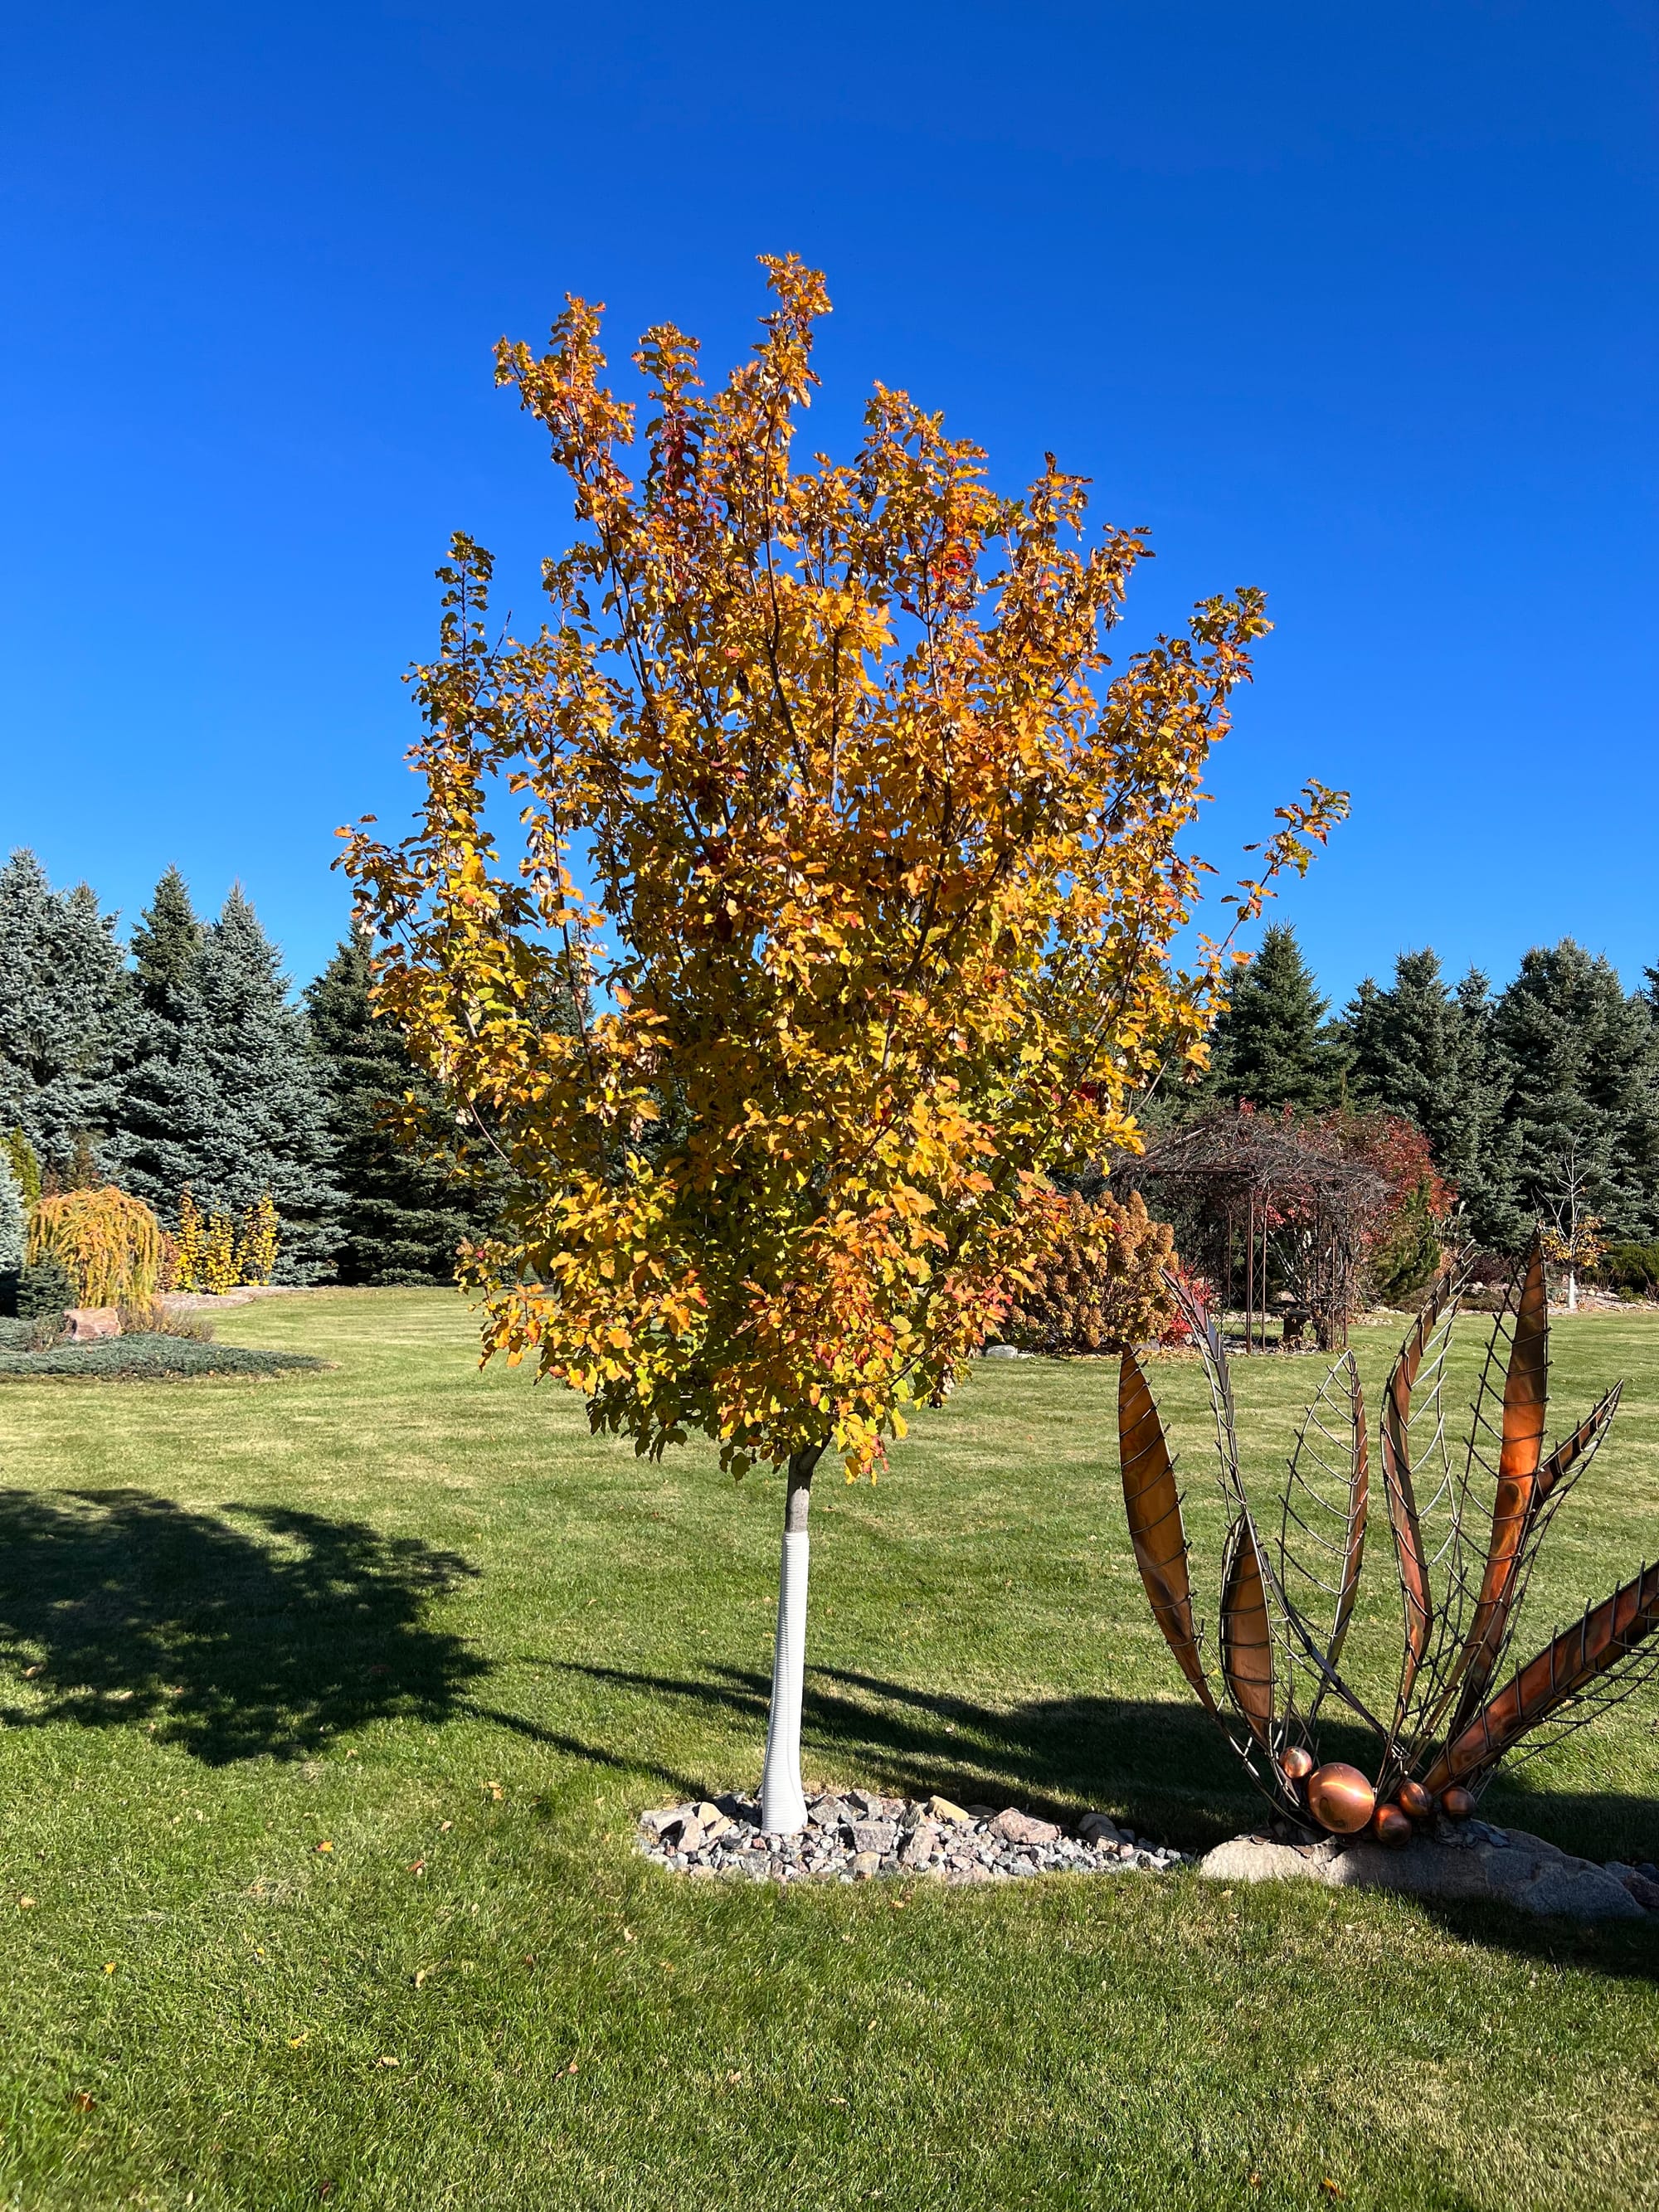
point(858, 1835)
point(1021, 1828)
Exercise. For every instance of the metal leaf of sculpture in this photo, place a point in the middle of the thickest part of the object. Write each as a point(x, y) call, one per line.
point(1465, 1539)
point(1156, 1529)
point(1609, 1634)
point(1246, 1642)
point(1521, 1452)
point(1411, 1553)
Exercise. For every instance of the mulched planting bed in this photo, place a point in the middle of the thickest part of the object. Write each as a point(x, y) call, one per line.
point(140, 1358)
point(857, 1836)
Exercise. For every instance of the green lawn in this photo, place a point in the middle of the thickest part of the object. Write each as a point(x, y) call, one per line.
point(414, 1614)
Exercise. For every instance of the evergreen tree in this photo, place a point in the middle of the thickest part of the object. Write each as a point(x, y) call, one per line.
point(1419, 1049)
point(167, 945)
point(230, 1099)
point(404, 1212)
point(1270, 1046)
point(64, 1012)
point(13, 1234)
point(1584, 1088)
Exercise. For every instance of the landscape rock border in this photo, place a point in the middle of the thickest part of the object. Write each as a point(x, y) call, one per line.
point(1457, 1859)
point(858, 1835)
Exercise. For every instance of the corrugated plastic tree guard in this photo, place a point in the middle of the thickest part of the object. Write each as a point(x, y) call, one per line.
point(1465, 1540)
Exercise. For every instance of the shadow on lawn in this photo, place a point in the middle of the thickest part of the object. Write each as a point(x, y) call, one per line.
point(256, 1631)
point(1162, 1767)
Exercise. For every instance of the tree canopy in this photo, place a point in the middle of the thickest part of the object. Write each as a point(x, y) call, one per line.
point(853, 864)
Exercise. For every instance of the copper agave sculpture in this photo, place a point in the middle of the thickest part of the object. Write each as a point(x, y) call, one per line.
point(1466, 1528)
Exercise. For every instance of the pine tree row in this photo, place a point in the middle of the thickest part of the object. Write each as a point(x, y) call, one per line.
point(179, 1064)
point(1550, 1085)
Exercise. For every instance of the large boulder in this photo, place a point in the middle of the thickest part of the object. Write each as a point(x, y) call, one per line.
point(82, 1323)
point(1473, 1861)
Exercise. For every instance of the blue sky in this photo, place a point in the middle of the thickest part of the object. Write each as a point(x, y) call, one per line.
point(1356, 304)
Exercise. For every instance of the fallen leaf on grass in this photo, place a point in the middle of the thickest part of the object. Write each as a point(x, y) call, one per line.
point(25, 1904)
point(419, 1867)
point(496, 1792)
point(29, 1672)
point(110, 1968)
point(324, 1847)
point(444, 1826)
point(1330, 2187)
point(295, 2041)
point(83, 2102)
point(388, 2062)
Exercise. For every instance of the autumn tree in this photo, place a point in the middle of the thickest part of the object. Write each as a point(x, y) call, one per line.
point(863, 883)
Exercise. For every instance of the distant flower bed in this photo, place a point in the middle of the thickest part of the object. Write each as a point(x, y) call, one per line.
point(148, 1359)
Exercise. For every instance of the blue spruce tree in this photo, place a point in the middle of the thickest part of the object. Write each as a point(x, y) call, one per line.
point(64, 1014)
point(228, 1098)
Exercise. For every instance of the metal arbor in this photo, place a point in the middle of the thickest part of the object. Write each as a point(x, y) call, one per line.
point(1264, 1193)
point(1465, 1530)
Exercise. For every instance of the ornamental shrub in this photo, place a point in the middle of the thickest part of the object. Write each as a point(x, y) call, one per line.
point(1631, 1267)
point(190, 1245)
point(25, 1167)
point(219, 1271)
point(1410, 1257)
point(108, 1244)
point(45, 1290)
point(1102, 1287)
point(257, 1244)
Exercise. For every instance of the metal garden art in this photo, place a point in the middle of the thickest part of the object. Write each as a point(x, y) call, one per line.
point(1467, 1528)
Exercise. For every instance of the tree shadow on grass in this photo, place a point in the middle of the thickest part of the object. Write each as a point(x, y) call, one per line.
point(257, 1631)
point(1162, 1767)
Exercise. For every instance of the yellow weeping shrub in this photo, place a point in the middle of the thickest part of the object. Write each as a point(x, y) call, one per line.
point(108, 1244)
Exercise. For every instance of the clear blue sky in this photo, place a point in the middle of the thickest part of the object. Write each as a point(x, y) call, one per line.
point(1355, 303)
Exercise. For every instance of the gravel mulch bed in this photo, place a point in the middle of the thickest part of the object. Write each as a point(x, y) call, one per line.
point(858, 1836)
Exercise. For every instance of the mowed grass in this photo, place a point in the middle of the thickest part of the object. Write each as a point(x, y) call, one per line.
point(330, 1700)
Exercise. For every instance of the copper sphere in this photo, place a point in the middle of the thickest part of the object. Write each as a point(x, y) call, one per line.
point(1296, 1765)
point(1456, 1803)
point(1415, 1800)
point(1340, 1798)
point(1391, 1826)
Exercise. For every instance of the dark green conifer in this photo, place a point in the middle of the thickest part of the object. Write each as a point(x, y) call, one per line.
point(1584, 1088)
point(1419, 1049)
point(404, 1211)
point(1271, 1047)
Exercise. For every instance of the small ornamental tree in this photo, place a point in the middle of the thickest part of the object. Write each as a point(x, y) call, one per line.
point(108, 1243)
point(863, 887)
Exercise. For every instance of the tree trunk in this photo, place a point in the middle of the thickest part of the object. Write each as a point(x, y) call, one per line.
point(1572, 1289)
point(783, 1807)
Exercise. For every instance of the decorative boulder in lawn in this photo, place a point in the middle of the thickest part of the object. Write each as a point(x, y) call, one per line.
point(82, 1323)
